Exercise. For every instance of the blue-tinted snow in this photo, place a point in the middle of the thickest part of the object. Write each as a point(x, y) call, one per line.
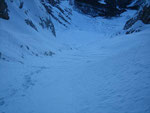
point(92, 70)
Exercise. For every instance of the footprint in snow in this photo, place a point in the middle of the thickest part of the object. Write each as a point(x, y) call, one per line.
point(2, 101)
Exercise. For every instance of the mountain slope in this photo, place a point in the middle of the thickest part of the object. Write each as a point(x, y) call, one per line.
point(89, 67)
point(31, 26)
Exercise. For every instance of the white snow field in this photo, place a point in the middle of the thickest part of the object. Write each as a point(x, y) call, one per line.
point(92, 71)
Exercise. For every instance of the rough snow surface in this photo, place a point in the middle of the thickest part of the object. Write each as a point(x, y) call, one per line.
point(109, 75)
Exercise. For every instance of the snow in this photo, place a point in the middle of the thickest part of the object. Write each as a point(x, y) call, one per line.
point(148, 2)
point(92, 71)
point(102, 1)
point(132, 3)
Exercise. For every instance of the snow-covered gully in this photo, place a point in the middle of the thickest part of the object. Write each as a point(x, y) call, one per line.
point(90, 67)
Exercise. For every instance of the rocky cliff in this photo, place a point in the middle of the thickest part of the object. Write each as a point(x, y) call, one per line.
point(3, 10)
point(106, 8)
point(143, 15)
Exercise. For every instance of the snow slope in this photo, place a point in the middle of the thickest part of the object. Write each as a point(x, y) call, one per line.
point(87, 68)
point(22, 39)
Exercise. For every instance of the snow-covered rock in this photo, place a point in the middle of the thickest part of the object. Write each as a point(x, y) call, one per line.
point(106, 8)
point(143, 14)
point(31, 26)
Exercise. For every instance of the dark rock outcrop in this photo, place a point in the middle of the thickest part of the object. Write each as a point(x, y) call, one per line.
point(30, 23)
point(108, 8)
point(143, 15)
point(111, 8)
point(123, 3)
point(89, 7)
point(47, 23)
point(136, 4)
point(95, 8)
point(3, 10)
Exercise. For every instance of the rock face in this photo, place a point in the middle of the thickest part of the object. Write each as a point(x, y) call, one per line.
point(3, 10)
point(96, 8)
point(124, 3)
point(143, 15)
point(111, 8)
point(136, 4)
point(89, 7)
point(62, 16)
point(106, 8)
